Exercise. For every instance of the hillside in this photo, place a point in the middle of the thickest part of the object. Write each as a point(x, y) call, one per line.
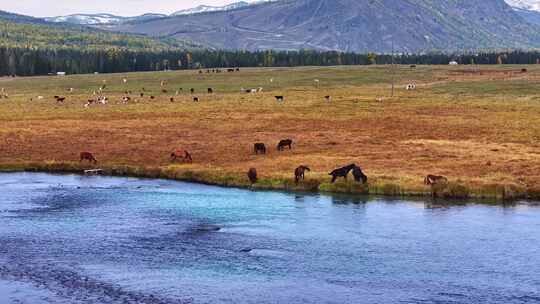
point(23, 31)
point(352, 25)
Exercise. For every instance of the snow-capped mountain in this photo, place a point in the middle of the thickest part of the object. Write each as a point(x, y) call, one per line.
point(101, 19)
point(208, 8)
point(109, 19)
point(529, 5)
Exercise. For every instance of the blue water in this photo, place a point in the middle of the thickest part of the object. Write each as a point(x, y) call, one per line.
point(72, 239)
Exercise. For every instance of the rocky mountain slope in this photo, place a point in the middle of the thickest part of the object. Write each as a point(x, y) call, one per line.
point(353, 25)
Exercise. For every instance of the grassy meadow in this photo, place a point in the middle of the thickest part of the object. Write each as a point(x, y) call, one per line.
point(478, 126)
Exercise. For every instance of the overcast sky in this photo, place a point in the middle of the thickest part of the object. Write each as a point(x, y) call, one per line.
point(50, 8)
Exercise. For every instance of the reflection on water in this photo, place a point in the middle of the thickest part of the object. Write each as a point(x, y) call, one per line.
point(71, 239)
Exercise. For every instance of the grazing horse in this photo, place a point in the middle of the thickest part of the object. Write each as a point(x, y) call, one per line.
point(284, 143)
point(359, 176)
point(195, 99)
point(181, 154)
point(280, 98)
point(299, 173)
point(435, 179)
point(88, 156)
point(342, 172)
point(252, 175)
point(259, 147)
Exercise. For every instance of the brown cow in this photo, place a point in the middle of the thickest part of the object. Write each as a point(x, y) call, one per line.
point(88, 156)
point(181, 154)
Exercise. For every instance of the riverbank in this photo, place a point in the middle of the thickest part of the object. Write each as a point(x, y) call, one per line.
point(379, 186)
point(478, 127)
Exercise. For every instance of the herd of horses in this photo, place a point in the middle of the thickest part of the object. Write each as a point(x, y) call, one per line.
point(260, 148)
point(299, 172)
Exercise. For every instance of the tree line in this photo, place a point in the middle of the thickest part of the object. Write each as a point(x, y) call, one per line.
point(29, 60)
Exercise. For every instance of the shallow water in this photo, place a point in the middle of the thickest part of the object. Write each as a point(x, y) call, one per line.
point(72, 239)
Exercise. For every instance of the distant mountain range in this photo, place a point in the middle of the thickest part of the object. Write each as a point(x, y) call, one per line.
point(109, 19)
point(353, 25)
point(342, 25)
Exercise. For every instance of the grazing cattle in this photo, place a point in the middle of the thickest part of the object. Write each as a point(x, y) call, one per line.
point(358, 175)
point(238, 69)
point(342, 172)
point(210, 91)
point(60, 99)
point(152, 97)
point(184, 155)
point(192, 90)
point(252, 175)
point(410, 87)
point(142, 94)
point(230, 70)
point(103, 100)
point(88, 156)
point(435, 179)
point(171, 99)
point(249, 90)
point(280, 98)
point(164, 91)
point(523, 70)
point(195, 99)
point(124, 80)
point(284, 143)
point(299, 173)
point(126, 99)
point(259, 148)
point(328, 98)
point(412, 66)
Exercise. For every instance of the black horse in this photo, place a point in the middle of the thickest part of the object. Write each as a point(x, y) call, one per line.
point(252, 175)
point(259, 148)
point(284, 143)
point(300, 172)
point(342, 172)
point(359, 176)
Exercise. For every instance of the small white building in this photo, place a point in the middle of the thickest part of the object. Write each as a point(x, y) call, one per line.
point(453, 62)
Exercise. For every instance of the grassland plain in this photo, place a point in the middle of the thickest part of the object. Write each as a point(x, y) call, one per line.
point(477, 125)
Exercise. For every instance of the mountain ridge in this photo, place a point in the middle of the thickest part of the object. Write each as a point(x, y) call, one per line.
point(353, 26)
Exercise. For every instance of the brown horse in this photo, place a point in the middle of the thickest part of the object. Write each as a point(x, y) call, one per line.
point(284, 143)
point(88, 156)
point(181, 154)
point(259, 148)
point(252, 175)
point(300, 172)
point(435, 179)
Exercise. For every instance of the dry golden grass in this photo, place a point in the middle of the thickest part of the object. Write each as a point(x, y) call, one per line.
point(478, 126)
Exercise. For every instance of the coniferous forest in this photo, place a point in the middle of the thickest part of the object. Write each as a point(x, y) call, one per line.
point(36, 49)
